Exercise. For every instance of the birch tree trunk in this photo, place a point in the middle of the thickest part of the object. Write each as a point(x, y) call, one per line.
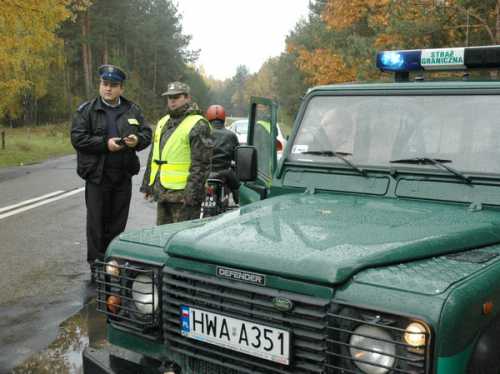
point(155, 69)
point(86, 54)
point(497, 25)
point(105, 57)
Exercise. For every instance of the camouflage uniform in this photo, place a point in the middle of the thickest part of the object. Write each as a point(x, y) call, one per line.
point(181, 205)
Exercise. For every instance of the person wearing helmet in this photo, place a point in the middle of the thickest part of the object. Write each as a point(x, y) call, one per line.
point(225, 140)
point(225, 143)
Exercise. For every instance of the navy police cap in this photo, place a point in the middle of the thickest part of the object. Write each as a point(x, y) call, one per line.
point(111, 73)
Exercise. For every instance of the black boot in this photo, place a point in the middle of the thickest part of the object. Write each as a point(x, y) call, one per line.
point(236, 196)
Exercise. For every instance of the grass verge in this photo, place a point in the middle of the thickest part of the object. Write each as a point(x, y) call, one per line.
point(28, 145)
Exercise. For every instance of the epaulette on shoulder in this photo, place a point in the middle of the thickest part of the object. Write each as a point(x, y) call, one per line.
point(82, 106)
point(136, 107)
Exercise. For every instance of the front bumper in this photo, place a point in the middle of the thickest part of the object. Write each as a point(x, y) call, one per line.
point(118, 360)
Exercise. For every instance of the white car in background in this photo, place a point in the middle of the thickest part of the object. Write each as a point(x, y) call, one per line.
point(240, 128)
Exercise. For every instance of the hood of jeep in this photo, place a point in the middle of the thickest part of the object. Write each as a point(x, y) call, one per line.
point(329, 238)
point(146, 245)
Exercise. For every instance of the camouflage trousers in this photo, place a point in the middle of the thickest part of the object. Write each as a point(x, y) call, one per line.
point(167, 212)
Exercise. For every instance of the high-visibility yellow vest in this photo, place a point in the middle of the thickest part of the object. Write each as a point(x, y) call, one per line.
point(175, 159)
point(266, 125)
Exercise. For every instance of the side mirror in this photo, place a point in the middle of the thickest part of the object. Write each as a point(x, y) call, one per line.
point(246, 163)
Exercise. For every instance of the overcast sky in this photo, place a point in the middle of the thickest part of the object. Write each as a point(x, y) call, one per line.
point(239, 32)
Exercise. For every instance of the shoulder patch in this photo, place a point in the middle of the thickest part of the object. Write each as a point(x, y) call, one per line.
point(83, 105)
point(136, 107)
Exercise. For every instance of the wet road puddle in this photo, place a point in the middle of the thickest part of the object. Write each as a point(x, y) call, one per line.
point(64, 354)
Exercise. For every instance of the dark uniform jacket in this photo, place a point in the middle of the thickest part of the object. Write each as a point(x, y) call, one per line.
point(226, 142)
point(201, 144)
point(89, 137)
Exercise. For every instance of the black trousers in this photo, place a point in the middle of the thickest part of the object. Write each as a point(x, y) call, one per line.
point(107, 212)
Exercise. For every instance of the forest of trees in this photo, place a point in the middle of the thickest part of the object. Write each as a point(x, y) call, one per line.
point(339, 40)
point(50, 51)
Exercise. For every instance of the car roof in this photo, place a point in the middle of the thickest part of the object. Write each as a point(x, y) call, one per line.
point(409, 86)
point(239, 121)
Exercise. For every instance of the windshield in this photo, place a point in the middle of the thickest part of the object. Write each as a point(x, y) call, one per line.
point(377, 129)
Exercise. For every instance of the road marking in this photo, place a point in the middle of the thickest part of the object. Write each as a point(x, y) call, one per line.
point(46, 199)
point(26, 202)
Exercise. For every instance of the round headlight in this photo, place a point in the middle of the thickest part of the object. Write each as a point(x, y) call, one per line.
point(142, 288)
point(112, 268)
point(415, 334)
point(369, 347)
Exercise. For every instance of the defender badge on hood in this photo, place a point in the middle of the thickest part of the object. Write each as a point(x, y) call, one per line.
point(240, 275)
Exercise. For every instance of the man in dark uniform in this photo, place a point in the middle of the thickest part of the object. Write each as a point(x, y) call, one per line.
point(106, 133)
point(179, 160)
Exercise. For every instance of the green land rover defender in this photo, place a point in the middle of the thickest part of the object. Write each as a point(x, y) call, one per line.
point(371, 246)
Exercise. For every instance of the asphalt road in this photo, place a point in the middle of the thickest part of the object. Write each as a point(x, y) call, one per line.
point(43, 269)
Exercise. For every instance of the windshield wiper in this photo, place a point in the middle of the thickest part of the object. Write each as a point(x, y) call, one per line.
point(432, 161)
point(340, 155)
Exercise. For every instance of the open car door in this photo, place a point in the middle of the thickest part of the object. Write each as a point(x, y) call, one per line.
point(262, 135)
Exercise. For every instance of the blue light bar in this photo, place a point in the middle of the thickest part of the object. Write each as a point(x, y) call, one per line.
point(402, 61)
point(440, 59)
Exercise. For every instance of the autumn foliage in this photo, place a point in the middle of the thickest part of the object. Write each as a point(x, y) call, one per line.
point(29, 48)
point(345, 35)
point(50, 51)
point(322, 66)
point(339, 14)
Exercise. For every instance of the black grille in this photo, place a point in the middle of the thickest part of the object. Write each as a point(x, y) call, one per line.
point(139, 316)
point(321, 331)
point(307, 323)
point(344, 321)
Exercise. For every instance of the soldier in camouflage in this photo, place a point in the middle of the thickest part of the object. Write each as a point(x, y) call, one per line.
point(179, 160)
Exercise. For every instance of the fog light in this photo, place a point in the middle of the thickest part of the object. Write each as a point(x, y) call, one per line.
point(415, 334)
point(146, 300)
point(113, 303)
point(112, 268)
point(372, 346)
